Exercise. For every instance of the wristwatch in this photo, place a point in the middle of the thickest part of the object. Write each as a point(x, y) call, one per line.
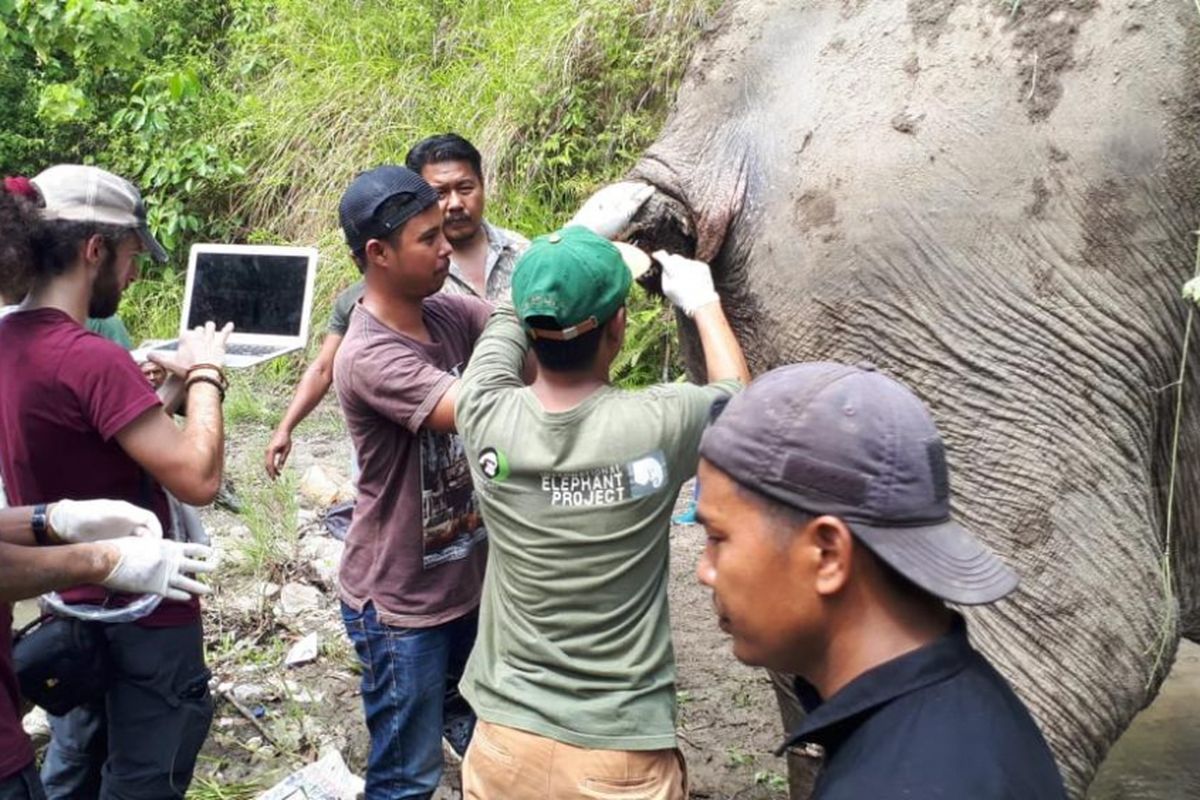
point(40, 525)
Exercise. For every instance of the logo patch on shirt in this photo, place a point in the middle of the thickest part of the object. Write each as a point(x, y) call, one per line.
point(493, 464)
point(606, 485)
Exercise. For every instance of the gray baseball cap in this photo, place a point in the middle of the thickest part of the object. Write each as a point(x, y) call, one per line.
point(81, 193)
point(851, 442)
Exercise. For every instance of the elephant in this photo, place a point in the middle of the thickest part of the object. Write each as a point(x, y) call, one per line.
point(992, 201)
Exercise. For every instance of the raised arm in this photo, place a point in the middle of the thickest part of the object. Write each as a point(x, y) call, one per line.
point(689, 285)
point(499, 362)
point(188, 461)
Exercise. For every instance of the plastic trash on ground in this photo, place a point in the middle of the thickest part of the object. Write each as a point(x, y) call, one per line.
point(326, 779)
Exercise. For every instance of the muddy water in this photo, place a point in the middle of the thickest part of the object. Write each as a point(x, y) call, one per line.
point(1158, 758)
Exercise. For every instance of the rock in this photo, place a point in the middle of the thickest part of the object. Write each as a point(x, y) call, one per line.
point(302, 694)
point(246, 693)
point(322, 486)
point(269, 589)
point(299, 598)
point(303, 651)
point(324, 555)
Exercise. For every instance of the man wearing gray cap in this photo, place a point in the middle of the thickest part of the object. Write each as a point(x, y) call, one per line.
point(831, 554)
point(78, 420)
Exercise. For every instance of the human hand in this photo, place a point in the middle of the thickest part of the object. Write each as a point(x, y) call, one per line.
point(278, 450)
point(76, 521)
point(610, 211)
point(149, 566)
point(201, 345)
point(686, 283)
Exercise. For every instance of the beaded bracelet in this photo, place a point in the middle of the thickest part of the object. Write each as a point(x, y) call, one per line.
point(194, 379)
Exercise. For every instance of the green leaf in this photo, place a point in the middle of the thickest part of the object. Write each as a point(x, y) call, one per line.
point(61, 103)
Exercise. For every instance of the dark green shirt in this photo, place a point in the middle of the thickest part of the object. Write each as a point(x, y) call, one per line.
point(111, 328)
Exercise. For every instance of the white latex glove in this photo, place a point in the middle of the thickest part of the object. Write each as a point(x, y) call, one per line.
point(149, 566)
point(610, 211)
point(75, 521)
point(686, 283)
point(1191, 290)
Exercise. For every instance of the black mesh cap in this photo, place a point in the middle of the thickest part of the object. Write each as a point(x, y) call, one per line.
point(848, 441)
point(365, 212)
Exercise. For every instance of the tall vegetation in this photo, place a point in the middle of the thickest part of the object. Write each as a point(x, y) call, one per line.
point(245, 119)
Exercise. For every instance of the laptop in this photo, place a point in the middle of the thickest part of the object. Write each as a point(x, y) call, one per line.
point(264, 290)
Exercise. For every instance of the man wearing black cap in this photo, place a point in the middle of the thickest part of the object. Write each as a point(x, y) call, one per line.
point(413, 567)
point(481, 264)
point(831, 554)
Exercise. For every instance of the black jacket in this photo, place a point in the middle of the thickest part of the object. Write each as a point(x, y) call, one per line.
point(939, 722)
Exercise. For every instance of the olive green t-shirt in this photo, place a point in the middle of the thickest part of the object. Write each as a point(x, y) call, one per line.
point(574, 638)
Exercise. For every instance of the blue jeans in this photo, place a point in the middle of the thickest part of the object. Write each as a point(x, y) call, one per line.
point(408, 688)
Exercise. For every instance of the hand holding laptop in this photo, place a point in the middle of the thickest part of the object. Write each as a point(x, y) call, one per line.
point(265, 290)
point(201, 345)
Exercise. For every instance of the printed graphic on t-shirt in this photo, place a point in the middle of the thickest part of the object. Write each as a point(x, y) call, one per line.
point(494, 464)
point(607, 485)
point(450, 514)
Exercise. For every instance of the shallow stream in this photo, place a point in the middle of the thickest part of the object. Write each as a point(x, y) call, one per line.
point(1158, 758)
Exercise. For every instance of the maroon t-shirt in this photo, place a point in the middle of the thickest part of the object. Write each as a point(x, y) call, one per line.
point(65, 393)
point(417, 546)
point(16, 753)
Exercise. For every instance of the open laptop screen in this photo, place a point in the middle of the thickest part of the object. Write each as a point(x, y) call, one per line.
point(259, 293)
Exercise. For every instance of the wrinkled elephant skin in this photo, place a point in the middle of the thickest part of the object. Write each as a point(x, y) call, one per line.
point(995, 207)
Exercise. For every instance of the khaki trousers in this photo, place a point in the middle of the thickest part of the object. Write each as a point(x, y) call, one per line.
point(507, 764)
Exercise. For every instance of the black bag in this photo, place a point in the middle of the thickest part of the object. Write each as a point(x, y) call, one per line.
point(61, 663)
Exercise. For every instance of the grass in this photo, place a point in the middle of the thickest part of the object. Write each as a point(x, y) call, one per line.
point(205, 788)
point(561, 96)
point(341, 86)
point(269, 514)
point(245, 404)
point(736, 758)
point(771, 779)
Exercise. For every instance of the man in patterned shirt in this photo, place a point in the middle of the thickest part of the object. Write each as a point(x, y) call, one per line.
point(484, 254)
point(481, 265)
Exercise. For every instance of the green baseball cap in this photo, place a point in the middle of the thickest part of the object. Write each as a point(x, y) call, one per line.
point(576, 278)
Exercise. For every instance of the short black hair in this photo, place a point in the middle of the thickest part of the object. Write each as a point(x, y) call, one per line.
point(790, 518)
point(444, 147)
point(572, 355)
point(787, 518)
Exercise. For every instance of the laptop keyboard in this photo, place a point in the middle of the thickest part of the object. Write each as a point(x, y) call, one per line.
point(232, 349)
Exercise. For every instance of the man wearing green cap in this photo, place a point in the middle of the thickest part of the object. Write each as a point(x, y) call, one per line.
point(573, 674)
